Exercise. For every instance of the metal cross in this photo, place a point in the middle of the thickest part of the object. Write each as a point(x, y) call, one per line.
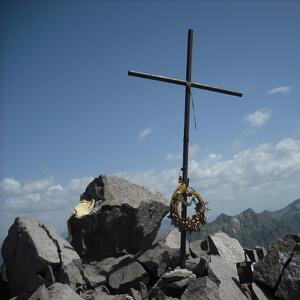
point(188, 85)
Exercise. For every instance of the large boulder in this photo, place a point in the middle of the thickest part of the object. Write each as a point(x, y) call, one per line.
point(125, 219)
point(289, 286)
point(225, 253)
point(269, 270)
point(34, 254)
point(279, 270)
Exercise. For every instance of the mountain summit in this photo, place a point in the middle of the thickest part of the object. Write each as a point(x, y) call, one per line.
point(252, 228)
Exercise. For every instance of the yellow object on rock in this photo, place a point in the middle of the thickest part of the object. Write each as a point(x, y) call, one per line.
point(83, 208)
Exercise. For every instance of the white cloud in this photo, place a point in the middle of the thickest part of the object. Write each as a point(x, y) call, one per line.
point(258, 118)
point(145, 132)
point(264, 177)
point(43, 199)
point(9, 186)
point(283, 90)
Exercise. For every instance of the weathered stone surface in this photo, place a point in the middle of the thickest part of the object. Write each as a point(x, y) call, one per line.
point(202, 288)
point(37, 252)
point(172, 240)
point(172, 284)
point(261, 252)
point(127, 277)
point(270, 268)
point(157, 259)
point(176, 275)
point(92, 275)
point(198, 266)
point(125, 219)
point(110, 264)
point(136, 295)
point(221, 244)
point(289, 286)
point(196, 249)
point(226, 253)
point(59, 291)
point(252, 255)
point(40, 294)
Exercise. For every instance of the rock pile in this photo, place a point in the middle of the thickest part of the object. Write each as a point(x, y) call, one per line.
point(279, 270)
point(127, 262)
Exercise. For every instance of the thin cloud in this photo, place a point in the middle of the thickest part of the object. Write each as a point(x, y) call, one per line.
point(145, 132)
point(259, 118)
point(283, 90)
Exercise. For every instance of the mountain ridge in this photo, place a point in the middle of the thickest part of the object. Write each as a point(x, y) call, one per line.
point(252, 228)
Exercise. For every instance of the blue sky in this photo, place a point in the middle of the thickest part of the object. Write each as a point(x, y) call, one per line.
point(69, 112)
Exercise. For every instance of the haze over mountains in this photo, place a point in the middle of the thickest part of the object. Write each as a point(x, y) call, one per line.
point(252, 228)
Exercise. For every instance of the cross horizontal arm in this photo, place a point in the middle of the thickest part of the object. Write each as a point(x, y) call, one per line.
point(184, 83)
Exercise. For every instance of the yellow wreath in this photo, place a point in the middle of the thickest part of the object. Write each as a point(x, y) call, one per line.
point(197, 220)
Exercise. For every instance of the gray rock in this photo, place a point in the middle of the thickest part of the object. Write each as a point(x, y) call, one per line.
point(221, 244)
point(196, 249)
point(71, 274)
point(136, 295)
point(172, 284)
point(202, 288)
point(172, 240)
point(198, 266)
point(91, 273)
point(110, 264)
point(175, 275)
point(40, 294)
point(252, 254)
point(37, 252)
point(269, 269)
point(59, 291)
point(222, 267)
point(261, 252)
point(127, 277)
point(289, 286)
point(125, 219)
point(157, 259)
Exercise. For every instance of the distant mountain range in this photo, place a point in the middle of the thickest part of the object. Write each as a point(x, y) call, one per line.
point(252, 228)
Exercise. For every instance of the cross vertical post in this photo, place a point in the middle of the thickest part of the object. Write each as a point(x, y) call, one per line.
point(186, 135)
point(188, 85)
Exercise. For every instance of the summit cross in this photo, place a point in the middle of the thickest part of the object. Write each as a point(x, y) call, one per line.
point(188, 83)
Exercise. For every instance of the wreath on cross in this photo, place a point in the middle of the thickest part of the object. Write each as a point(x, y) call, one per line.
point(198, 219)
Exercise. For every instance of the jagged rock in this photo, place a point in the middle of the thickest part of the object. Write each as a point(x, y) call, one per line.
point(136, 295)
point(125, 219)
point(197, 248)
point(269, 270)
point(110, 264)
point(199, 266)
point(34, 255)
point(172, 240)
point(261, 252)
point(127, 277)
point(226, 253)
point(40, 294)
point(71, 274)
point(157, 259)
point(252, 254)
point(59, 291)
point(289, 286)
point(221, 244)
point(172, 284)
point(92, 275)
point(202, 288)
